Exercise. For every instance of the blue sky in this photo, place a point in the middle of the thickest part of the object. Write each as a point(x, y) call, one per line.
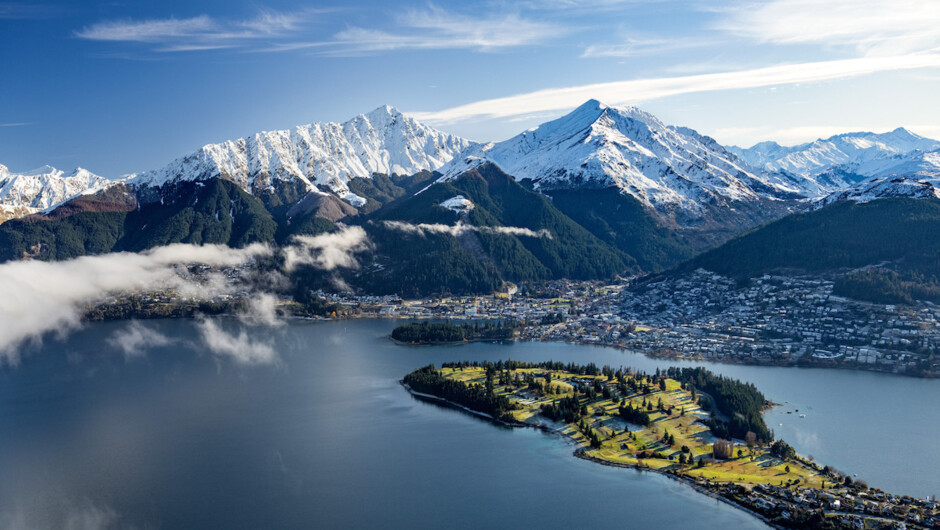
point(119, 87)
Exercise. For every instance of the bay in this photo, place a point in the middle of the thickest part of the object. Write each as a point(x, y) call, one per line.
point(178, 437)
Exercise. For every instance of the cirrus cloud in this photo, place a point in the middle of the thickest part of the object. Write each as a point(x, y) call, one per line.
point(640, 90)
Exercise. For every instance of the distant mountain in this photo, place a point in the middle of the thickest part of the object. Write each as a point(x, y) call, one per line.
point(32, 191)
point(599, 192)
point(841, 160)
point(886, 187)
point(674, 171)
point(280, 167)
point(913, 164)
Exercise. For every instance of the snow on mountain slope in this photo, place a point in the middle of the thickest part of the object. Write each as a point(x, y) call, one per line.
point(458, 204)
point(849, 149)
point(25, 193)
point(913, 164)
point(320, 154)
point(666, 168)
point(882, 187)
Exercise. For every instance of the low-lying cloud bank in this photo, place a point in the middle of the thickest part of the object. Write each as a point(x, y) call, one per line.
point(40, 297)
point(461, 228)
point(327, 251)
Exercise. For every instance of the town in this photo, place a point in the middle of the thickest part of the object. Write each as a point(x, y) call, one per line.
point(774, 320)
point(770, 320)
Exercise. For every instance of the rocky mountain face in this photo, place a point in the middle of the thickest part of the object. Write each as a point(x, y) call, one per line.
point(600, 191)
point(674, 171)
point(282, 166)
point(33, 191)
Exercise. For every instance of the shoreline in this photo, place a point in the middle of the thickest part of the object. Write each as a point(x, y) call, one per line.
point(579, 452)
point(724, 360)
point(446, 342)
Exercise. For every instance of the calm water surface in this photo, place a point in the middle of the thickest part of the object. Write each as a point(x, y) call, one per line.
point(327, 438)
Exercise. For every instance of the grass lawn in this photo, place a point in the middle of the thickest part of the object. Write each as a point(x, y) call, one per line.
point(672, 412)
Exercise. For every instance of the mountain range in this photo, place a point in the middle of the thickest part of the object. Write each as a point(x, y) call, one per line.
point(616, 190)
point(22, 194)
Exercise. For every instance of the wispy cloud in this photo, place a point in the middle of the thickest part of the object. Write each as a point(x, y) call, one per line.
point(136, 338)
point(639, 90)
point(632, 47)
point(151, 30)
point(240, 347)
point(436, 28)
point(593, 5)
point(26, 11)
point(198, 33)
point(16, 124)
point(461, 228)
point(875, 27)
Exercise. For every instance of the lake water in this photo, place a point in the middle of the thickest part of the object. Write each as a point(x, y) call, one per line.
point(327, 438)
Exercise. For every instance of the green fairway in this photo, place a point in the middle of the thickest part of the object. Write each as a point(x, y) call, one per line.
point(672, 412)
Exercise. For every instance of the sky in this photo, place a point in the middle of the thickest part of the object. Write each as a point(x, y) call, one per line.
point(119, 87)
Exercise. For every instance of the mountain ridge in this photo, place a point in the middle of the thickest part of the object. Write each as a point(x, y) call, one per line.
point(318, 155)
point(42, 188)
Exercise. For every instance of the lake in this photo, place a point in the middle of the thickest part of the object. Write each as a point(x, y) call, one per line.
point(178, 437)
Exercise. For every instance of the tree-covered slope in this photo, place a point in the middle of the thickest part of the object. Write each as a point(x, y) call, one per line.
point(210, 211)
point(620, 220)
point(380, 189)
point(563, 248)
point(843, 235)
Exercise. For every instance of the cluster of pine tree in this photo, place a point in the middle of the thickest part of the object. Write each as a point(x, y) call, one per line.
point(476, 397)
point(739, 401)
point(421, 332)
point(633, 415)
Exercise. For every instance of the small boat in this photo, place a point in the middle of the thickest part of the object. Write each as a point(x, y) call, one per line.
point(802, 415)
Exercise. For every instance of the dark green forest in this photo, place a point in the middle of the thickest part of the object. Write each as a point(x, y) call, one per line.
point(741, 403)
point(476, 397)
point(435, 332)
point(842, 235)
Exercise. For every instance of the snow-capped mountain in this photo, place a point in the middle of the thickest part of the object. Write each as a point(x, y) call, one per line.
point(43, 188)
point(840, 152)
point(319, 154)
point(883, 187)
point(916, 164)
point(670, 169)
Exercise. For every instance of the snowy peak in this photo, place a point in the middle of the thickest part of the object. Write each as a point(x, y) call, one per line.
point(595, 145)
point(833, 153)
point(886, 187)
point(319, 154)
point(42, 188)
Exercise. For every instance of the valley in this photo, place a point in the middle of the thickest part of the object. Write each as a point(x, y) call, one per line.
point(604, 226)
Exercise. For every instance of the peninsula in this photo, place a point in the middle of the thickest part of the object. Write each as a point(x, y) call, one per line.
point(688, 423)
